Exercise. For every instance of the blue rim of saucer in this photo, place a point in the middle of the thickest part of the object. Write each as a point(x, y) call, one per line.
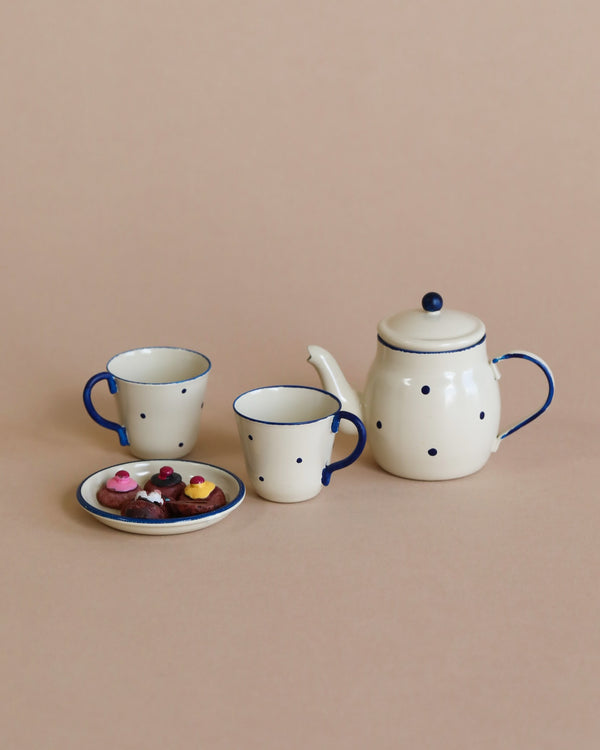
point(161, 521)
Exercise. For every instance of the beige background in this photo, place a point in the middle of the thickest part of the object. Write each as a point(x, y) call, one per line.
point(247, 178)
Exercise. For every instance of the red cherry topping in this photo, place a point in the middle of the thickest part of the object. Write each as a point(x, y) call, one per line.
point(122, 474)
point(165, 472)
point(197, 480)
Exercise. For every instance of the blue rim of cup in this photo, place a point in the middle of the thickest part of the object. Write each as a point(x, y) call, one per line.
point(166, 382)
point(295, 387)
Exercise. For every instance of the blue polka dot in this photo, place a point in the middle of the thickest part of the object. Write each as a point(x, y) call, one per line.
point(250, 437)
point(432, 452)
point(261, 479)
point(184, 390)
point(181, 445)
point(481, 414)
point(143, 416)
point(378, 425)
point(425, 390)
point(298, 460)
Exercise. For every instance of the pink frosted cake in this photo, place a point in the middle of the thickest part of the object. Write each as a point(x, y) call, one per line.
point(118, 490)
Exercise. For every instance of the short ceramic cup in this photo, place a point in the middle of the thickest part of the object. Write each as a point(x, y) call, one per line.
point(287, 434)
point(160, 395)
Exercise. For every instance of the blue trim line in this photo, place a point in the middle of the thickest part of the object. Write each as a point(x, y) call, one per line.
point(549, 377)
point(305, 387)
point(167, 382)
point(417, 351)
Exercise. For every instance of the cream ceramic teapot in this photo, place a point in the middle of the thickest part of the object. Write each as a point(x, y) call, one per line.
point(431, 404)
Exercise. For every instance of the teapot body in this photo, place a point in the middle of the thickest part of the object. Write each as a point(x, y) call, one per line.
point(431, 405)
point(432, 415)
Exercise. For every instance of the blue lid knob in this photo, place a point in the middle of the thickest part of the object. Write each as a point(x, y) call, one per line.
point(432, 302)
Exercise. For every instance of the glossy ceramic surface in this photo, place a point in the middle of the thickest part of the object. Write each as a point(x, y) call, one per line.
point(141, 471)
point(287, 435)
point(160, 395)
point(431, 404)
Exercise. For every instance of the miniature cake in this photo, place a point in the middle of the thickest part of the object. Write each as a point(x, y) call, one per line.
point(145, 505)
point(118, 490)
point(167, 482)
point(199, 496)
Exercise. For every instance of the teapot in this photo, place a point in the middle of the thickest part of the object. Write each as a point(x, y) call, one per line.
point(431, 404)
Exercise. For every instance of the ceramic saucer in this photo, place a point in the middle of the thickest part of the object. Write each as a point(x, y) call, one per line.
point(141, 471)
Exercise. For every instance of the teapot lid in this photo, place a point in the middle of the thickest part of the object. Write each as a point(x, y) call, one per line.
point(431, 329)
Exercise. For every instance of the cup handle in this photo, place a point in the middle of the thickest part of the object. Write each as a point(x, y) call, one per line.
point(549, 377)
point(358, 448)
point(87, 400)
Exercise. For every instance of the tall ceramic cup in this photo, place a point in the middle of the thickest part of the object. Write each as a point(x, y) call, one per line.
point(160, 394)
point(287, 434)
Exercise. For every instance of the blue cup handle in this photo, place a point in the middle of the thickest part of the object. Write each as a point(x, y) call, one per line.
point(358, 448)
point(549, 377)
point(87, 400)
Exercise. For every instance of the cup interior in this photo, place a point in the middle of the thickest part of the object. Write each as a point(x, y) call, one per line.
point(156, 365)
point(286, 404)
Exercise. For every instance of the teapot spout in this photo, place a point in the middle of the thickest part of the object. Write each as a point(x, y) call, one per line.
point(333, 380)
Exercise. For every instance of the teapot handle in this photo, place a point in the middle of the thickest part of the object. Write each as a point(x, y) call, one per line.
point(549, 377)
